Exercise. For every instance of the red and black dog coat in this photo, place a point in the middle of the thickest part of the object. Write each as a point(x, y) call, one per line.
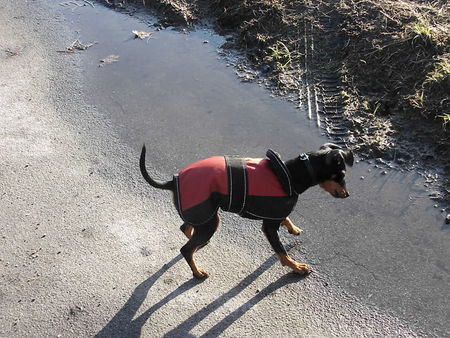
point(254, 188)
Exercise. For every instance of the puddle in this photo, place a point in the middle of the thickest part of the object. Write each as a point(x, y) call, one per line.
point(174, 93)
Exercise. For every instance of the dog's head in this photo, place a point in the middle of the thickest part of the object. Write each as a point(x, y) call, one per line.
point(330, 165)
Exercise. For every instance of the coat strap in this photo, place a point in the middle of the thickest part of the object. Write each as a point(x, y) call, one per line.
point(237, 184)
point(281, 171)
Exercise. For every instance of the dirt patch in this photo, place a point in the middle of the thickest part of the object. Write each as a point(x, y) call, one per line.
point(375, 74)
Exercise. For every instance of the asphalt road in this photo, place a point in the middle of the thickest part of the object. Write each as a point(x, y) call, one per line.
point(87, 248)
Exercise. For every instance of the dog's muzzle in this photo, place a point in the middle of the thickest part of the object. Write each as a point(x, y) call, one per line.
point(342, 194)
point(337, 190)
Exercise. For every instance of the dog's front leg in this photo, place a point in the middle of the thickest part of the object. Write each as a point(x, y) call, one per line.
point(270, 229)
point(292, 228)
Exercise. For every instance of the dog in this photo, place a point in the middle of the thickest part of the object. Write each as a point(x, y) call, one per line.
point(264, 189)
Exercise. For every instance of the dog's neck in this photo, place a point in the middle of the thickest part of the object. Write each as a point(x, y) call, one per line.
point(302, 172)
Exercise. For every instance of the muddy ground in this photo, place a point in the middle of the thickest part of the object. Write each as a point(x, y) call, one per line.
point(375, 74)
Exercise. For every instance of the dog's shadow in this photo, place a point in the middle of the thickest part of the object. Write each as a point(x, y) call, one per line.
point(123, 324)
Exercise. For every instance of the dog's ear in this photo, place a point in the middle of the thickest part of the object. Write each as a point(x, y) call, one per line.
point(330, 146)
point(347, 154)
point(340, 155)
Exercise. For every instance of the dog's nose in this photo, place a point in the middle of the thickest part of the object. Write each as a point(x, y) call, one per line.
point(344, 194)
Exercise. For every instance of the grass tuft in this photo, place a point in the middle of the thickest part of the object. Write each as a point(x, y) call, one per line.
point(440, 73)
point(280, 54)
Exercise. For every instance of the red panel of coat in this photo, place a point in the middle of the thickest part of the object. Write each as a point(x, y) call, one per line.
point(199, 180)
point(262, 181)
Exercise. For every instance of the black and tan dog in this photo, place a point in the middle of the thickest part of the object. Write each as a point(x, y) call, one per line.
point(258, 188)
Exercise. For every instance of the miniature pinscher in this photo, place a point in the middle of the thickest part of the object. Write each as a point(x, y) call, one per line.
point(264, 189)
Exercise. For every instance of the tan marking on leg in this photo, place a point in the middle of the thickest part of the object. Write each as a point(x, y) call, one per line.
point(189, 231)
point(198, 272)
point(293, 229)
point(299, 268)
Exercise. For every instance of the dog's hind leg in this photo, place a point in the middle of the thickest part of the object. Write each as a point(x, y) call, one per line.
point(187, 229)
point(270, 229)
point(200, 237)
point(292, 228)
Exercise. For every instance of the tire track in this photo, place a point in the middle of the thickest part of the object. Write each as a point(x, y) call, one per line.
point(322, 81)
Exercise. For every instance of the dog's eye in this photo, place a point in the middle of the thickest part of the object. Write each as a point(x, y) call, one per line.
point(339, 176)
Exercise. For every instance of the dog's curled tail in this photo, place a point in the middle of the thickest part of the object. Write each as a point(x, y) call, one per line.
point(169, 185)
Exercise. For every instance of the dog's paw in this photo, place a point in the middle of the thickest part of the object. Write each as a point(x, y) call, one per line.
point(295, 231)
point(201, 274)
point(302, 269)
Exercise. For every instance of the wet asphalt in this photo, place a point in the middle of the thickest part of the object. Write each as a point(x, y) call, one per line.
point(380, 257)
